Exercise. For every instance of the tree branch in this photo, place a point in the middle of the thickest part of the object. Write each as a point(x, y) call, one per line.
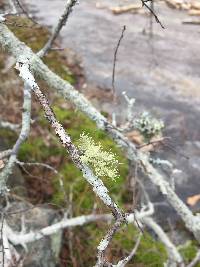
point(26, 119)
point(22, 239)
point(61, 22)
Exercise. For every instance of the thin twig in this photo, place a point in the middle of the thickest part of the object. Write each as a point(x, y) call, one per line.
point(5, 153)
point(115, 59)
point(47, 166)
point(25, 12)
point(123, 262)
point(26, 120)
point(144, 3)
point(62, 21)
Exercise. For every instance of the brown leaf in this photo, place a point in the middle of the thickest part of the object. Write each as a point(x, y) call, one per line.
point(1, 164)
point(193, 200)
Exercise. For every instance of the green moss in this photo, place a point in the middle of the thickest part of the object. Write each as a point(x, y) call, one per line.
point(33, 149)
point(189, 252)
point(9, 137)
point(150, 252)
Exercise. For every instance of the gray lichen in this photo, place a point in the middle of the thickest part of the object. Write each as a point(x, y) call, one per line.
point(148, 125)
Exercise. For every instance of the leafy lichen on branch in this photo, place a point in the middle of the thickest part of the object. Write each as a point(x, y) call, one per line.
point(148, 125)
point(104, 163)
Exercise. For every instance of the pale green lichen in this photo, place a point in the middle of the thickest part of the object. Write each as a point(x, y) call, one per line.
point(104, 163)
point(148, 125)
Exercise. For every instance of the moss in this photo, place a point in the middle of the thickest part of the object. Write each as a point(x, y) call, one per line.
point(34, 149)
point(189, 252)
point(149, 253)
point(9, 137)
point(77, 123)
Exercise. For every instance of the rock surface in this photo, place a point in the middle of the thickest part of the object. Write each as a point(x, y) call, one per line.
point(41, 253)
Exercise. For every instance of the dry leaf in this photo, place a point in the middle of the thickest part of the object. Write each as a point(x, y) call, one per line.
point(193, 200)
point(1, 164)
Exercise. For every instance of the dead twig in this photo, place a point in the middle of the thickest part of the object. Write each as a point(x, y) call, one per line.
point(144, 3)
point(114, 61)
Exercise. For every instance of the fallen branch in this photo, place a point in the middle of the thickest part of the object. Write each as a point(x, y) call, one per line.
point(23, 239)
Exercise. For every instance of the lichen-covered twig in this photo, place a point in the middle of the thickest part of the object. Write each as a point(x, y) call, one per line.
point(22, 239)
point(5, 153)
point(98, 187)
point(26, 119)
point(105, 242)
point(8, 125)
point(61, 22)
point(174, 257)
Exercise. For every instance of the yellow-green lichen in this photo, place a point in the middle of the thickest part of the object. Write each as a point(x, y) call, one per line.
point(104, 163)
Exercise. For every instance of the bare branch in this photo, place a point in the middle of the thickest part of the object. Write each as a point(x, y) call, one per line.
point(115, 59)
point(24, 11)
point(22, 239)
point(144, 3)
point(61, 22)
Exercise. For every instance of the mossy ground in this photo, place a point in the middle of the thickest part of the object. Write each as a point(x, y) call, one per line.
point(42, 146)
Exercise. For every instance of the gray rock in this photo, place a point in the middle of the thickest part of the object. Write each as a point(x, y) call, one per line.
point(44, 252)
